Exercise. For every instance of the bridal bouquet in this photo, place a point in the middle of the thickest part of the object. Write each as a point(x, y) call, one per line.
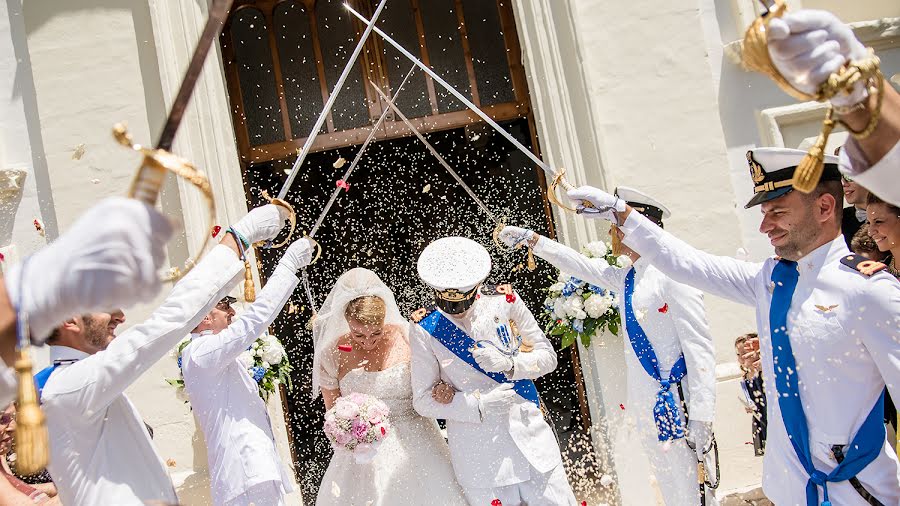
point(265, 360)
point(580, 310)
point(357, 423)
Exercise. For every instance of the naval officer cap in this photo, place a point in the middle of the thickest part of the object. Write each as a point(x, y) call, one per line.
point(772, 172)
point(643, 203)
point(454, 267)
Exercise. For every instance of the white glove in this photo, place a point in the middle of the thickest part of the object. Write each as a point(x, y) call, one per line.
point(605, 205)
point(491, 359)
point(262, 223)
point(807, 46)
point(497, 401)
point(109, 258)
point(298, 254)
point(513, 236)
point(700, 435)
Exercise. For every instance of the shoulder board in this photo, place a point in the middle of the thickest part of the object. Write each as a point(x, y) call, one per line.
point(420, 314)
point(862, 264)
point(499, 289)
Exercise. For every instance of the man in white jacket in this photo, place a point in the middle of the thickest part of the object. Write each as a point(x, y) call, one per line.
point(243, 462)
point(668, 345)
point(485, 344)
point(101, 452)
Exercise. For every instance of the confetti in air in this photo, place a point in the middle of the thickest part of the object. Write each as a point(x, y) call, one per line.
point(170, 463)
point(78, 152)
point(39, 227)
point(664, 309)
point(346, 348)
point(340, 183)
point(95, 181)
point(215, 231)
point(426, 188)
point(339, 162)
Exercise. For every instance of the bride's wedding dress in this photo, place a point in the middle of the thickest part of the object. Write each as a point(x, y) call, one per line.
point(412, 466)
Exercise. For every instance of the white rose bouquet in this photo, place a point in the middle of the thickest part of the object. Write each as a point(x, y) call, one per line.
point(578, 310)
point(266, 361)
point(357, 423)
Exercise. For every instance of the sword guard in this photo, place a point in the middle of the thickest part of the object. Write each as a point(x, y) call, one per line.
point(151, 175)
point(292, 218)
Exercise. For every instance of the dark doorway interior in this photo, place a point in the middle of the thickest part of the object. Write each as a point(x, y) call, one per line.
point(400, 199)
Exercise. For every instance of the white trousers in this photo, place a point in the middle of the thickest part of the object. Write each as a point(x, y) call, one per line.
point(675, 467)
point(267, 493)
point(543, 489)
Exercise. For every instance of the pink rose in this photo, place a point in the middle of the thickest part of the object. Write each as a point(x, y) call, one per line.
point(330, 427)
point(358, 398)
point(342, 438)
point(360, 430)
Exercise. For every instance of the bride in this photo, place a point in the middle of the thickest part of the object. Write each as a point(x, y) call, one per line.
point(361, 345)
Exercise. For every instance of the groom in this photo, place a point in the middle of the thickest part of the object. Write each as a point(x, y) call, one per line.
point(485, 344)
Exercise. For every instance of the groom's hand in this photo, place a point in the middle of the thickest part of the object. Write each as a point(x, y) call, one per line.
point(492, 360)
point(443, 393)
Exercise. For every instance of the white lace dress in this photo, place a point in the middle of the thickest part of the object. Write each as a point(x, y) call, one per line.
point(412, 465)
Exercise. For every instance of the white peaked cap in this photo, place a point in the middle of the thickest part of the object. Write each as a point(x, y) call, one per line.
point(637, 198)
point(454, 262)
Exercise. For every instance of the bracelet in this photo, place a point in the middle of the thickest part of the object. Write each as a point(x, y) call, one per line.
point(240, 238)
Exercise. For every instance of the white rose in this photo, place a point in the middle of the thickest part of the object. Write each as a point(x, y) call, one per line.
point(580, 314)
point(255, 345)
point(596, 249)
point(246, 359)
point(563, 277)
point(557, 287)
point(574, 305)
point(596, 305)
point(623, 261)
point(273, 353)
point(559, 308)
point(265, 364)
point(346, 410)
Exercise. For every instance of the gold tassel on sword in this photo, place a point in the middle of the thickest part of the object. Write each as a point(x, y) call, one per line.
point(755, 51)
point(31, 439)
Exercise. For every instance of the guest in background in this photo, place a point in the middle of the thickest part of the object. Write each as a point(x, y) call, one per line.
point(862, 244)
point(747, 349)
point(14, 491)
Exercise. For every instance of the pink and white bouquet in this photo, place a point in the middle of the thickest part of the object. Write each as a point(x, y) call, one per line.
point(357, 423)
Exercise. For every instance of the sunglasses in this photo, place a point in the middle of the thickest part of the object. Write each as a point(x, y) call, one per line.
point(7, 418)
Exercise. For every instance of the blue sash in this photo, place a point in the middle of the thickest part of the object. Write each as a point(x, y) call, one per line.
point(40, 379)
point(454, 339)
point(867, 442)
point(665, 411)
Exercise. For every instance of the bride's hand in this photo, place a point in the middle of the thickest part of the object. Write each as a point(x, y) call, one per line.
point(443, 393)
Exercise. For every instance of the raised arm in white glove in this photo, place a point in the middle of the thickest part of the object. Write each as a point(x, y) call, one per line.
point(514, 236)
point(700, 435)
point(491, 359)
point(298, 254)
point(808, 45)
point(497, 401)
point(261, 224)
point(604, 204)
point(110, 257)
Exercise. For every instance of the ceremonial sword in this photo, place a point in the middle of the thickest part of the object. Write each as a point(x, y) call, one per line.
point(330, 102)
point(557, 177)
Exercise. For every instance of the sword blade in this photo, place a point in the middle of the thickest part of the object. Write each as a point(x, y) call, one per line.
point(459, 96)
point(218, 13)
point(434, 152)
point(329, 103)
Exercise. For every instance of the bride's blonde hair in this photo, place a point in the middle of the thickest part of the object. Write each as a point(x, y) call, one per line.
point(368, 310)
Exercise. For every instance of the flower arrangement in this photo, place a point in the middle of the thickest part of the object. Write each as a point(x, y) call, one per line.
point(265, 360)
point(357, 423)
point(578, 310)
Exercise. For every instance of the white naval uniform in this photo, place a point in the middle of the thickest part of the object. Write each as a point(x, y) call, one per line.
point(844, 330)
point(513, 458)
point(100, 451)
point(881, 178)
point(225, 398)
point(674, 320)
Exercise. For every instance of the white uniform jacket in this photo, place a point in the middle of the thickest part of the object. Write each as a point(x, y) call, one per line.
point(500, 450)
point(882, 178)
point(100, 451)
point(844, 330)
point(226, 399)
point(672, 316)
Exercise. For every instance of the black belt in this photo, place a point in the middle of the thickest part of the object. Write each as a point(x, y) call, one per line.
point(838, 451)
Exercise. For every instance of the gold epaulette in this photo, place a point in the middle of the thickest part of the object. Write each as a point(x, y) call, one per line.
point(863, 265)
point(420, 314)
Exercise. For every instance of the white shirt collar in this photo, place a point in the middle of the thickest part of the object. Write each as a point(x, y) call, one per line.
point(58, 352)
point(860, 214)
point(829, 252)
